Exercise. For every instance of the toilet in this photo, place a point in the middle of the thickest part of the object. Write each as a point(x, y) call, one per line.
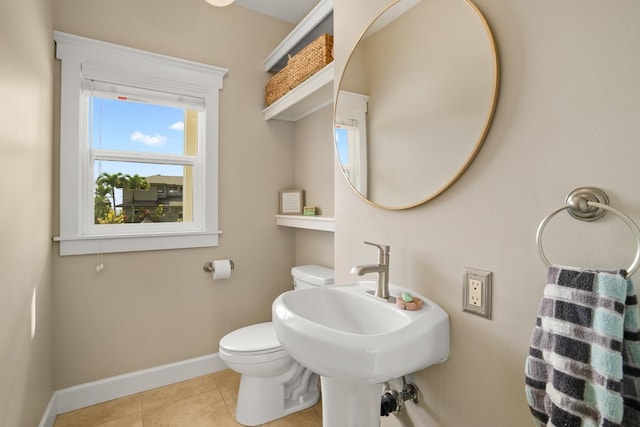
point(272, 383)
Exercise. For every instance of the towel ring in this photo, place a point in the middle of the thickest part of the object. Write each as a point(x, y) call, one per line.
point(590, 204)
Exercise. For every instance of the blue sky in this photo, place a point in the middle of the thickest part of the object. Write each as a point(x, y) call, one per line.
point(134, 126)
point(342, 145)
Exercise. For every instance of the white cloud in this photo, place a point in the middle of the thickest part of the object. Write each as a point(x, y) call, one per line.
point(177, 126)
point(153, 140)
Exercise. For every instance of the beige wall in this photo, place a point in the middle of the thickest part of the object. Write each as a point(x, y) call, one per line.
point(567, 117)
point(26, 74)
point(313, 163)
point(150, 308)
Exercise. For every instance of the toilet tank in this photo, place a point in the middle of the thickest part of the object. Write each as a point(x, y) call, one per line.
point(309, 276)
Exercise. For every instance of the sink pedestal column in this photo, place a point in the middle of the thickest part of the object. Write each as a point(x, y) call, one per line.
point(350, 403)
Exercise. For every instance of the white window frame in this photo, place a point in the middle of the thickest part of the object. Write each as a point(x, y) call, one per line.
point(84, 58)
point(351, 114)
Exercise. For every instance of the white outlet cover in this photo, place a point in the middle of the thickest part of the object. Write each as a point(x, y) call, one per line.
point(477, 303)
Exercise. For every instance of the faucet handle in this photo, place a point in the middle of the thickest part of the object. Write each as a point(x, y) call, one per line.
point(384, 249)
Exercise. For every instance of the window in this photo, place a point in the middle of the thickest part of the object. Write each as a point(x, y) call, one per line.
point(351, 138)
point(138, 149)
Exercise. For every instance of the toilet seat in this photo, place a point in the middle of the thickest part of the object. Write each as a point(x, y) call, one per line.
point(253, 340)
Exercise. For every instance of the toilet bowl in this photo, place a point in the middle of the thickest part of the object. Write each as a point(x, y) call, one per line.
point(272, 383)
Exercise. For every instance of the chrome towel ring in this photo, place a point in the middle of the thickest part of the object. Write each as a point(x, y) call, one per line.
point(590, 204)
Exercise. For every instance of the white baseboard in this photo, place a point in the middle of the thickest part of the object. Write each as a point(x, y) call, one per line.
point(80, 396)
point(49, 416)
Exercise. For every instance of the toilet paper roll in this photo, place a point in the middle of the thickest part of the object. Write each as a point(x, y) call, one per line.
point(221, 269)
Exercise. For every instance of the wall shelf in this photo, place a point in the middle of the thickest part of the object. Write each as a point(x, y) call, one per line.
point(309, 96)
point(317, 22)
point(321, 223)
point(315, 92)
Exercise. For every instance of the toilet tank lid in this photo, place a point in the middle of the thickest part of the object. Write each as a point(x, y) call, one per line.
point(315, 274)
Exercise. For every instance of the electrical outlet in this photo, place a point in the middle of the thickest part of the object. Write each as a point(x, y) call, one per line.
point(476, 292)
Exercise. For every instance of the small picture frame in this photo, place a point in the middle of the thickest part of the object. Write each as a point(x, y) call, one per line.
point(291, 202)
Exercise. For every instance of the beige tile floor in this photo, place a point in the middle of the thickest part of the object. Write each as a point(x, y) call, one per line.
point(208, 401)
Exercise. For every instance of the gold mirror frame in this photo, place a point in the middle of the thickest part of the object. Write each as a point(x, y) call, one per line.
point(461, 165)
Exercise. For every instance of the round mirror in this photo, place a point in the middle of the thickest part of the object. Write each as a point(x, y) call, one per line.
point(415, 101)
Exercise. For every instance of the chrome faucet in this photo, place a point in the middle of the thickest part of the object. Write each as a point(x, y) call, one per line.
point(382, 268)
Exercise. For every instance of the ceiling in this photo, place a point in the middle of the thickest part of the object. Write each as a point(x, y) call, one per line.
point(287, 10)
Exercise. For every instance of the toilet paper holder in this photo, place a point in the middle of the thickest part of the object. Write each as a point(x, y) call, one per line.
point(208, 266)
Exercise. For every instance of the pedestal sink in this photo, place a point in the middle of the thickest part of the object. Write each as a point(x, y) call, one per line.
point(356, 341)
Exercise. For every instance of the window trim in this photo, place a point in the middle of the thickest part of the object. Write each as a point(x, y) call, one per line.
point(352, 108)
point(82, 58)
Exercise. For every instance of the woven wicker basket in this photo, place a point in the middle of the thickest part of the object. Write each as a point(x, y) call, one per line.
point(300, 67)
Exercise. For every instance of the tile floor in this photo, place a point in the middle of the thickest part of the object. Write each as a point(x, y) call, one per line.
point(207, 401)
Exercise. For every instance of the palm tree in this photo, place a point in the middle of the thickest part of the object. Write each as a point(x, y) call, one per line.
point(101, 203)
point(135, 183)
point(111, 181)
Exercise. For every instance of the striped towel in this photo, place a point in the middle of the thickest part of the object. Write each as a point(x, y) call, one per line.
point(583, 368)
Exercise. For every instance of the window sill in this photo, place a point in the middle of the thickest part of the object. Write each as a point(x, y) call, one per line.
point(81, 245)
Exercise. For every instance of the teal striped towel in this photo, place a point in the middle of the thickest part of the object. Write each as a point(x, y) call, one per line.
point(583, 368)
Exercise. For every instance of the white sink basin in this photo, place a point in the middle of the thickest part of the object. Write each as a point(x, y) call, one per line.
point(340, 332)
